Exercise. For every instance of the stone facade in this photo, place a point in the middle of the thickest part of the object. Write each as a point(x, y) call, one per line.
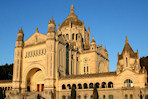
point(50, 64)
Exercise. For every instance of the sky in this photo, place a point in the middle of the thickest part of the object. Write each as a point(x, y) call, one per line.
point(109, 21)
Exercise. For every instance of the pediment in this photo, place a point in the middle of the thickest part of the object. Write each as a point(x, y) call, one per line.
point(36, 38)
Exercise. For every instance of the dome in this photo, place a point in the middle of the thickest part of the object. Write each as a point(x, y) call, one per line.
point(72, 18)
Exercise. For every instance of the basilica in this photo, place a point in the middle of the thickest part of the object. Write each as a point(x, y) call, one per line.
point(50, 64)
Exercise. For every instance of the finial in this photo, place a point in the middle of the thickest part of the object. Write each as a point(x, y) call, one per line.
point(88, 29)
point(58, 26)
point(36, 30)
point(93, 37)
point(72, 9)
point(126, 39)
point(137, 53)
point(51, 20)
point(51, 17)
point(21, 31)
point(101, 45)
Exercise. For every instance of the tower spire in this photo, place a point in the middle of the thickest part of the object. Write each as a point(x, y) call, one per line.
point(126, 39)
point(37, 31)
point(72, 9)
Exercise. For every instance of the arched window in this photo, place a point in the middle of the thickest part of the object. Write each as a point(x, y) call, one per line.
point(126, 96)
point(126, 62)
point(68, 85)
point(67, 36)
point(79, 86)
point(76, 36)
point(131, 96)
point(85, 86)
point(74, 85)
point(63, 97)
point(103, 85)
point(84, 69)
point(97, 85)
point(111, 97)
point(110, 85)
point(128, 83)
point(73, 36)
point(91, 97)
point(91, 85)
point(87, 68)
point(104, 97)
point(63, 86)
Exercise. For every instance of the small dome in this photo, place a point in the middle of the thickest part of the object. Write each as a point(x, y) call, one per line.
point(93, 41)
point(72, 18)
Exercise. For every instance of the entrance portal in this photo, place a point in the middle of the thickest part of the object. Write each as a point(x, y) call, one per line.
point(35, 80)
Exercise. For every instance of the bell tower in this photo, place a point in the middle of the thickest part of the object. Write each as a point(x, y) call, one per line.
point(50, 59)
point(128, 59)
point(17, 68)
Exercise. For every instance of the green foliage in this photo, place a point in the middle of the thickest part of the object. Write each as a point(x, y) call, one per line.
point(144, 62)
point(95, 93)
point(1, 94)
point(6, 72)
point(73, 93)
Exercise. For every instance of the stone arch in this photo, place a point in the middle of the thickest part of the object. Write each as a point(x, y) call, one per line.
point(79, 86)
point(103, 85)
point(97, 84)
point(91, 85)
point(30, 71)
point(110, 84)
point(69, 86)
point(125, 77)
point(74, 85)
point(63, 86)
point(85, 85)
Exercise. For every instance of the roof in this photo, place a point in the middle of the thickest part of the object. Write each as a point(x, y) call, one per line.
point(93, 41)
point(88, 75)
point(72, 18)
point(127, 48)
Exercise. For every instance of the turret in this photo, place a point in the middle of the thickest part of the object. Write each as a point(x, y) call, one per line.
point(93, 45)
point(50, 54)
point(20, 38)
point(128, 59)
point(51, 25)
point(51, 29)
point(17, 68)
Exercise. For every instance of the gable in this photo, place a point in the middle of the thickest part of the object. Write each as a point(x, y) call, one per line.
point(36, 38)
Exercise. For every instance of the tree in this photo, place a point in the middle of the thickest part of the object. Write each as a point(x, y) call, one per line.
point(73, 92)
point(144, 62)
point(95, 93)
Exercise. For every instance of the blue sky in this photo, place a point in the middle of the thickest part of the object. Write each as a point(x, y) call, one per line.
point(109, 21)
